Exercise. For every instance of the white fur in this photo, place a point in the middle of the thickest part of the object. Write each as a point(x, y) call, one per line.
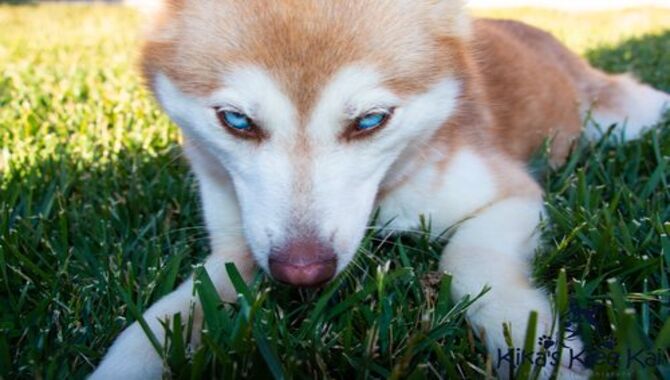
point(256, 195)
point(254, 92)
point(444, 197)
point(132, 357)
point(346, 176)
point(262, 175)
point(492, 245)
point(638, 108)
point(493, 249)
point(303, 177)
point(256, 186)
point(462, 192)
point(332, 189)
point(353, 92)
point(497, 242)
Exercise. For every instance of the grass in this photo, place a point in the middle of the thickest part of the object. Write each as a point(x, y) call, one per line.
point(99, 218)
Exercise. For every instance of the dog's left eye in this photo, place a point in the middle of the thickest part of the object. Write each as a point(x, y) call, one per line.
point(372, 121)
point(367, 125)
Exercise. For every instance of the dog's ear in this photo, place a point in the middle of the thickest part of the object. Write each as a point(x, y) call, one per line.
point(449, 17)
point(160, 31)
point(156, 16)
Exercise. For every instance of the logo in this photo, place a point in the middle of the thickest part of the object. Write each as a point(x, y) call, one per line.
point(608, 353)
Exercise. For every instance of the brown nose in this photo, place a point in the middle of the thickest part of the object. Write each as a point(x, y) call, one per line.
point(304, 263)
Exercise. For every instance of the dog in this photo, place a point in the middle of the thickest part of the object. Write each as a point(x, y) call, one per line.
point(302, 117)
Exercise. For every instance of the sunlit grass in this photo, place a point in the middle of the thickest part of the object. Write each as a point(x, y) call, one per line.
point(96, 202)
point(588, 30)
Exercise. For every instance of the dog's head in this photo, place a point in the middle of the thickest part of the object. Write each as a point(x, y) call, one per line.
point(307, 104)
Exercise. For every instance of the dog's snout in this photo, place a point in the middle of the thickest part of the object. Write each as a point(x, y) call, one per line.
point(304, 263)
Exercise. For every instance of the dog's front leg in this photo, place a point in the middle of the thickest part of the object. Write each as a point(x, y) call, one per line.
point(132, 356)
point(494, 249)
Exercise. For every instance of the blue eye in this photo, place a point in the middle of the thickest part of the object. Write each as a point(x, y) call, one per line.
point(235, 120)
point(371, 121)
point(239, 124)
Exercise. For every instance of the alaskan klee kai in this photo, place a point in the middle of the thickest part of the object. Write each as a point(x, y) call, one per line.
point(301, 117)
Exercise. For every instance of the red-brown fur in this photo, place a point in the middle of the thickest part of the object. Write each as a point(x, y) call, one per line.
point(510, 87)
point(520, 85)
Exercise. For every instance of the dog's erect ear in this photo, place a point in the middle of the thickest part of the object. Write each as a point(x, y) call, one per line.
point(160, 31)
point(156, 16)
point(449, 17)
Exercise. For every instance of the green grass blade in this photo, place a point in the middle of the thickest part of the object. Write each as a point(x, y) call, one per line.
point(137, 315)
point(528, 346)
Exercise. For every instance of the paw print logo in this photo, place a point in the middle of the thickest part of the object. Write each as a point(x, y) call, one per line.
point(546, 342)
point(610, 343)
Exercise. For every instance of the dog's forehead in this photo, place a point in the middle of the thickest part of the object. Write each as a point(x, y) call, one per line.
point(301, 43)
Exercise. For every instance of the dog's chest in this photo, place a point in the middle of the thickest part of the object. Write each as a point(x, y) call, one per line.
point(443, 196)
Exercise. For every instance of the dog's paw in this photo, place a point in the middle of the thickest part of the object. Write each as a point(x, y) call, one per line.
point(572, 363)
point(513, 311)
point(132, 357)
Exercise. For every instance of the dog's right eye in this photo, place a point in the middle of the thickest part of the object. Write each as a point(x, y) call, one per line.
point(239, 124)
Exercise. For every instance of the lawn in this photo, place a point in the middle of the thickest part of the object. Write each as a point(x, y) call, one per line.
point(99, 218)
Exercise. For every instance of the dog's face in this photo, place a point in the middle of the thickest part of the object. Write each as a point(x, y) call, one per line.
point(306, 104)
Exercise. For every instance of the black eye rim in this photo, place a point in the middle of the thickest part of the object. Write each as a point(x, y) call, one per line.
point(353, 132)
point(251, 133)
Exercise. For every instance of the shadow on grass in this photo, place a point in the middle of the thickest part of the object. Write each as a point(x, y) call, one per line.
point(71, 236)
point(18, 2)
point(76, 237)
